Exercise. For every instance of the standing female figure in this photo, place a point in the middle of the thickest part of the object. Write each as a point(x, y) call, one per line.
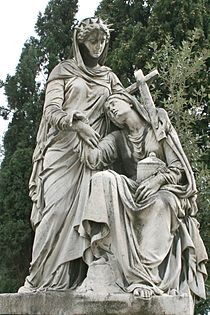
point(59, 185)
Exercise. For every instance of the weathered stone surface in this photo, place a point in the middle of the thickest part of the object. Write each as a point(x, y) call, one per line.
point(69, 303)
point(134, 230)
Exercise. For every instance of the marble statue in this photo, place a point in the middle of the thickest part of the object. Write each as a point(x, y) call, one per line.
point(144, 227)
point(91, 203)
point(59, 185)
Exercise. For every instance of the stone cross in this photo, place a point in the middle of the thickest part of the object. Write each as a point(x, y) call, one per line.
point(148, 78)
point(142, 86)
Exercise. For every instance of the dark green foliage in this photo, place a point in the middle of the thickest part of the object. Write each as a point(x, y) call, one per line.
point(25, 100)
point(138, 25)
point(55, 28)
point(130, 20)
point(15, 262)
point(15, 232)
point(20, 87)
point(177, 18)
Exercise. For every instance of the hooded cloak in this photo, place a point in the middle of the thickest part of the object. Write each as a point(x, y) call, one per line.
point(154, 242)
point(59, 183)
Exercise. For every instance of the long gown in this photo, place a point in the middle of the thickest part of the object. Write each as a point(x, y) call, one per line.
point(156, 241)
point(59, 184)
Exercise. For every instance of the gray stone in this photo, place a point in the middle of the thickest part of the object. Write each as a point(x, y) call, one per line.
point(69, 303)
point(137, 235)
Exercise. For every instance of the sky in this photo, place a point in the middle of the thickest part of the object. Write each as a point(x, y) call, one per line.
point(17, 21)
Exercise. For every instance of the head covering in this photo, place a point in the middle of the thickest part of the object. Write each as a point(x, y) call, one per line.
point(76, 66)
point(128, 99)
point(85, 27)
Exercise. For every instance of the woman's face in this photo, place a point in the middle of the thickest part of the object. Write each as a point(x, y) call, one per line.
point(95, 43)
point(119, 111)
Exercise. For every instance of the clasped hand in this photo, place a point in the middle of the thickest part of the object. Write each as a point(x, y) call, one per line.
point(85, 131)
point(148, 187)
point(88, 134)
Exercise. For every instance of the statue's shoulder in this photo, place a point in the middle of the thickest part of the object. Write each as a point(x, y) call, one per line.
point(112, 75)
point(64, 69)
point(106, 68)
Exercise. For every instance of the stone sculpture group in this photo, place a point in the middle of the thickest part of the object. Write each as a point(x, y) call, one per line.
point(113, 193)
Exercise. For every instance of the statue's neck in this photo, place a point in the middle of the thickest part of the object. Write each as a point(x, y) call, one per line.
point(135, 123)
point(90, 62)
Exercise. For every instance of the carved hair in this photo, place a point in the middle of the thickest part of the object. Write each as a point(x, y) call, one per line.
point(87, 26)
point(119, 96)
point(111, 99)
point(126, 97)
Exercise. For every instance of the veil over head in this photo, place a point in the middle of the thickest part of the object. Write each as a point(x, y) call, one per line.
point(87, 26)
point(128, 99)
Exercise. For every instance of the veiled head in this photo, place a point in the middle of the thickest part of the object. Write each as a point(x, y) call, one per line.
point(92, 37)
point(120, 105)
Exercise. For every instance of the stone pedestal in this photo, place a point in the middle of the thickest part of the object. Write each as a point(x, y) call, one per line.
point(71, 303)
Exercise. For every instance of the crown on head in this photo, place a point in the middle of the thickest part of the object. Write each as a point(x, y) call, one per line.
point(90, 24)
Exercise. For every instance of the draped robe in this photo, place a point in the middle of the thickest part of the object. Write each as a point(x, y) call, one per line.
point(154, 242)
point(59, 183)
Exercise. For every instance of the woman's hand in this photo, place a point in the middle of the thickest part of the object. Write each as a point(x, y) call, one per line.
point(148, 187)
point(92, 156)
point(88, 134)
point(77, 115)
point(70, 120)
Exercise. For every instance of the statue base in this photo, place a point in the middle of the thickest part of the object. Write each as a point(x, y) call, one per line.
point(72, 303)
